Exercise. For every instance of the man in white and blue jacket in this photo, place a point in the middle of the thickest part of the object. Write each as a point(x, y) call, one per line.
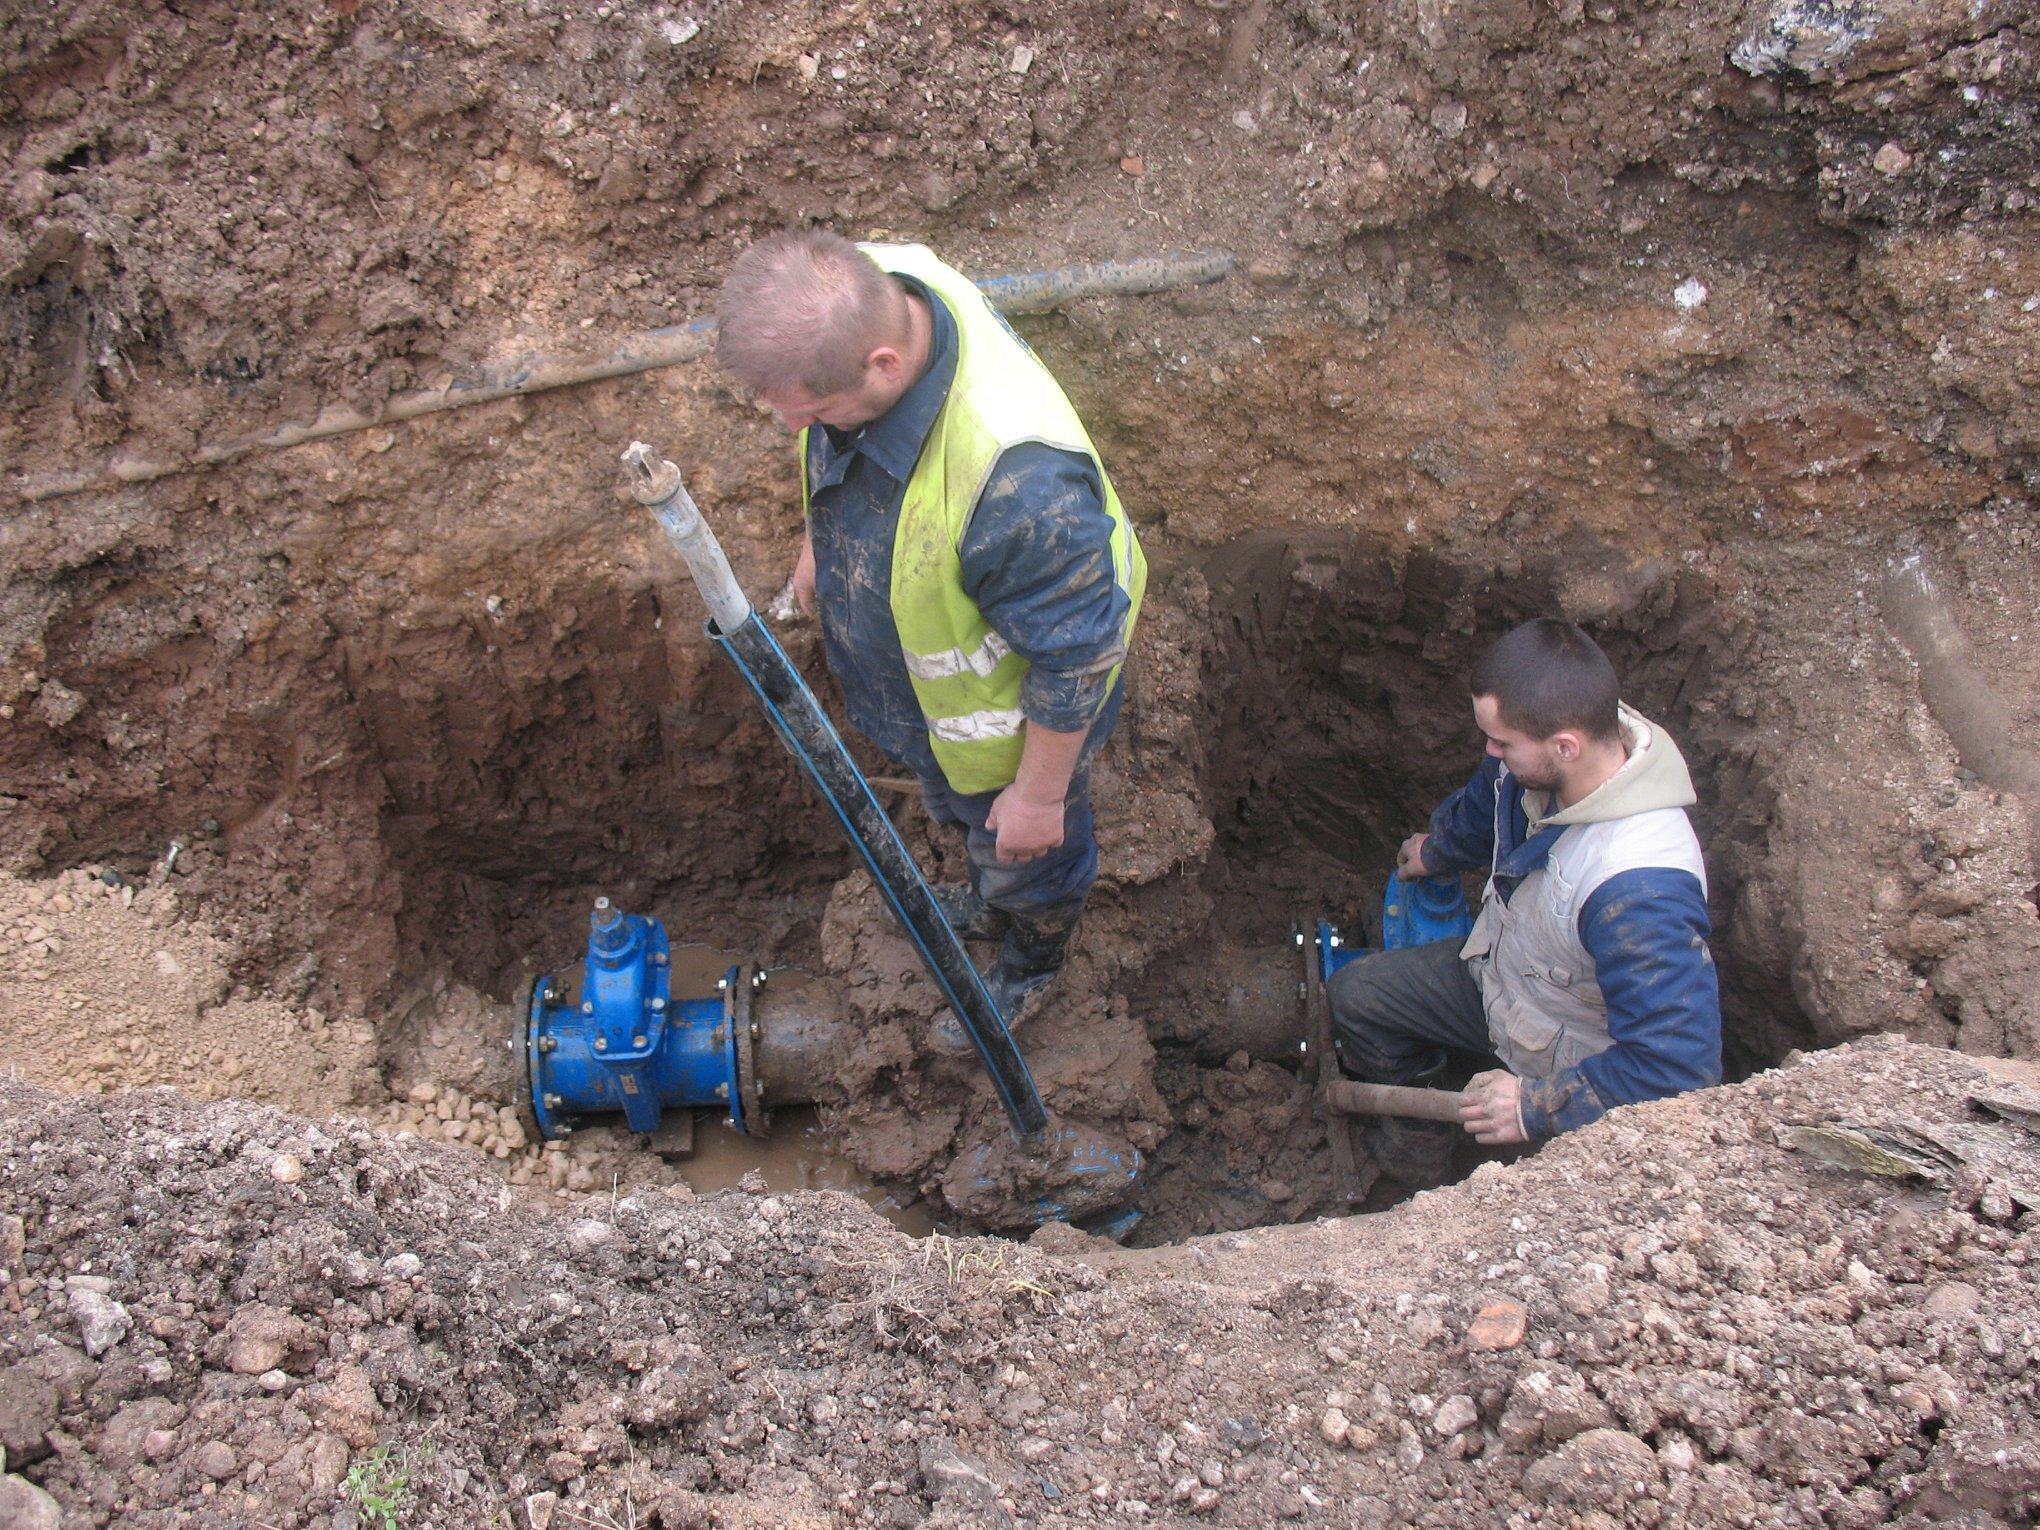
point(1587, 975)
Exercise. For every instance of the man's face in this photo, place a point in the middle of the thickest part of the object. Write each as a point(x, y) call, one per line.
point(883, 383)
point(1534, 762)
point(798, 409)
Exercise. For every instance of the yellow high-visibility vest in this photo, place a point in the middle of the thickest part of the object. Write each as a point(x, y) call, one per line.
point(965, 677)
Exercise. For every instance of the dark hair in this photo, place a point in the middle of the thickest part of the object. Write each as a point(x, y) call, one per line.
point(803, 309)
point(1547, 676)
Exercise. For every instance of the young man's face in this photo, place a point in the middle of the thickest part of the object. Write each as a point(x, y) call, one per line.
point(1534, 762)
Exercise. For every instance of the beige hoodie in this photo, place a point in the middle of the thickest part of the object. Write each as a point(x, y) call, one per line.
point(1654, 776)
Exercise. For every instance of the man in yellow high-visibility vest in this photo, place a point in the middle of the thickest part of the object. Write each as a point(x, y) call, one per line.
point(976, 576)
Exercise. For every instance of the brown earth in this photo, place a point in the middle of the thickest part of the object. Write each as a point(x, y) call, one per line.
point(214, 1313)
point(1689, 321)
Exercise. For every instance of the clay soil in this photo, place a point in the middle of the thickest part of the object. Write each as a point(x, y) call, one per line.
point(1711, 325)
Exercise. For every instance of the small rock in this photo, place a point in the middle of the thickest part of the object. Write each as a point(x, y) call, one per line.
point(1409, 1453)
point(538, 1510)
point(215, 1459)
point(260, 1338)
point(28, 1412)
point(24, 1506)
point(13, 1241)
point(329, 1462)
point(1133, 164)
point(273, 1381)
point(1951, 1298)
point(102, 1321)
point(809, 66)
point(286, 1169)
point(346, 1406)
point(1455, 1415)
point(1333, 1426)
point(948, 1474)
point(1022, 61)
point(1499, 1325)
point(1891, 160)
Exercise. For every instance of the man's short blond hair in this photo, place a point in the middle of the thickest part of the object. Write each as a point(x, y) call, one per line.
point(803, 309)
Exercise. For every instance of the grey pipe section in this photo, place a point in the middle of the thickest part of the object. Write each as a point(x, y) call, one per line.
point(1023, 292)
point(1248, 1001)
point(1970, 712)
point(658, 486)
point(802, 1039)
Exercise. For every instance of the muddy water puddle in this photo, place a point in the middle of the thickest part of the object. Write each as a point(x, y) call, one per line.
point(794, 1155)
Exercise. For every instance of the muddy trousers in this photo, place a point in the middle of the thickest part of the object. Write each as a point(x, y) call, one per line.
point(1405, 1017)
point(1046, 893)
point(1398, 1016)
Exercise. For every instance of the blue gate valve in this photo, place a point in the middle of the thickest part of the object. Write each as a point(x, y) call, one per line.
point(1412, 914)
point(626, 1045)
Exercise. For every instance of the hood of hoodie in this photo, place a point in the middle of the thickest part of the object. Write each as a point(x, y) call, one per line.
point(1654, 776)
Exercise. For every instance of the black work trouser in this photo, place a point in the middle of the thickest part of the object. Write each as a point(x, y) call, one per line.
point(1399, 1016)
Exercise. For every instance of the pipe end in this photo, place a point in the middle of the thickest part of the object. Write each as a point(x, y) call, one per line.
point(653, 480)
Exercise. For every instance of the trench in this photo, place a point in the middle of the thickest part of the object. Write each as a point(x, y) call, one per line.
point(1332, 717)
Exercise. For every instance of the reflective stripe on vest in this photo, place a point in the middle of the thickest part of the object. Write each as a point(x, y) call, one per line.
point(980, 661)
point(978, 725)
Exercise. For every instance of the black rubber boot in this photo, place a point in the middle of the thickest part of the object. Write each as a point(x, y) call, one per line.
point(1032, 953)
point(969, 915)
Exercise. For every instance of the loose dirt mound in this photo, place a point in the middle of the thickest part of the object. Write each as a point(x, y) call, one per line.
point(225, 1313)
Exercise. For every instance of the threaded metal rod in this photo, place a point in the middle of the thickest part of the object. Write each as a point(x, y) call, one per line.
point(1022, 292)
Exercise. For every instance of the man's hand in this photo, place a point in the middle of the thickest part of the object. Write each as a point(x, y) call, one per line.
point(1027, 829)
point(1409, 861)
point(1493, 1107)
point(804, 577)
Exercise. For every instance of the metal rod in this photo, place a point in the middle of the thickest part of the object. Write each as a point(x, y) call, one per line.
point(812, 739)
point(1022, 292)
point(1354, 1099)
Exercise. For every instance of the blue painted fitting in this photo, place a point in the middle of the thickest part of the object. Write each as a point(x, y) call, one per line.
point(625, 1044)
point(1417, 913)
point(1412, 914)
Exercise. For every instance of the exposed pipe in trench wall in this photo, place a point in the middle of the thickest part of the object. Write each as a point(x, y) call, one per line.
point(1020, 292)
point(1976, 719)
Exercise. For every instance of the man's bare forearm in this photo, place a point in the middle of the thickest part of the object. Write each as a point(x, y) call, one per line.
point(1047, 761)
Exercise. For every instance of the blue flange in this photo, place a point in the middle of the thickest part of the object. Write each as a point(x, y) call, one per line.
point(625, 1045)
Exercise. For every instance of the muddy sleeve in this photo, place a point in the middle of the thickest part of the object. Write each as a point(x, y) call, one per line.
point(1037, 559)
point(1463, 827)
point(1647, 932)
